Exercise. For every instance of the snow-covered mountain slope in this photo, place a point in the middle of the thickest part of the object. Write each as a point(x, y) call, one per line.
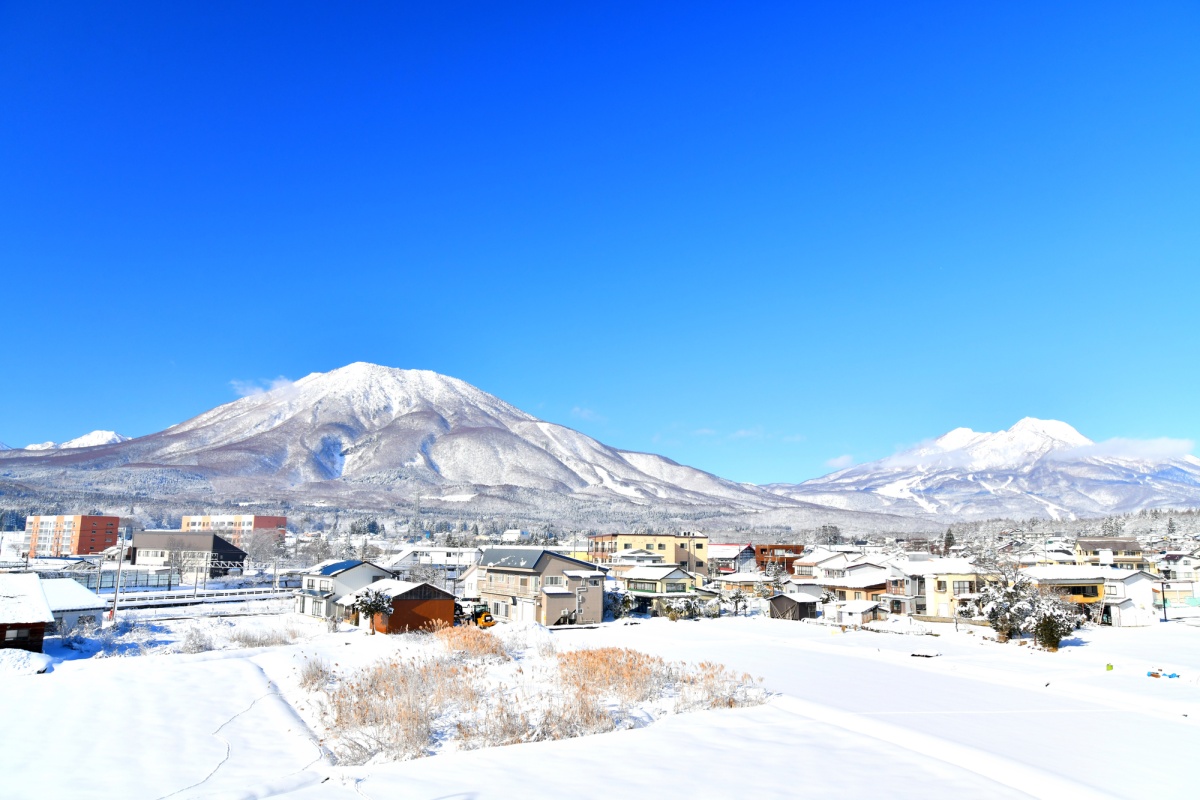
point(409, 430)
point(93, 439)
point(1035, 468)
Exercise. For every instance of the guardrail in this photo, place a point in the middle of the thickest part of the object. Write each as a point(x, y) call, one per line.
point(144, 599)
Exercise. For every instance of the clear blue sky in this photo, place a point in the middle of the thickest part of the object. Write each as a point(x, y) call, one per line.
point(751, 237)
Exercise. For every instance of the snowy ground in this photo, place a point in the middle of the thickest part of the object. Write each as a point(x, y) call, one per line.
point(855, 714)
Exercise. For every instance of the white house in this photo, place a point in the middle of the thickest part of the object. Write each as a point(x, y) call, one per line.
point(323, 585)
point(72, 604)
point(514, 536)
point(1129, 598)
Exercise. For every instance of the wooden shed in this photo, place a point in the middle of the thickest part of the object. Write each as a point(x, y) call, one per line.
point(24, 612)
point(793, 606)
point(414, 606)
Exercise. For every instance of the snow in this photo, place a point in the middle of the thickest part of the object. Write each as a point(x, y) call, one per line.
point(64, 594)
point(93, 439)
point(855, 714)
point(21, 599)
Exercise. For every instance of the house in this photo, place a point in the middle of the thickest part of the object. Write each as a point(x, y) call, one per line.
point(514, 536)
point(1129, 598)
point(746, 581)
point(625, 560)
point(323, 585)
point(688, 550)
point(854, 612)
point(653, 588)
point(728, 558)
point(938, 587)
point(860, 581)
point(535, 584)
point(1079, 584)
point(794, 606)
point(192, 553)
point(770, 557)
point(71, 604)
point(422, 562)
point(1120, 552)
point(24, 612)
point(414, 606)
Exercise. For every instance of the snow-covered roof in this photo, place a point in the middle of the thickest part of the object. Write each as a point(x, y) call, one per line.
point(857, 606)
point(743, 577)
point(875, 577)
point(22, 600)
point(584, 573)
point(334, 566)
point(521, 557)
point(64, 594)
point(936, 566)
point(727, 550)
point(1067, 572)
point(389, 586)
point(651, 573)
point(556, 590)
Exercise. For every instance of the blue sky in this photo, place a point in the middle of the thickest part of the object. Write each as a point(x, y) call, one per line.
point(755, 240)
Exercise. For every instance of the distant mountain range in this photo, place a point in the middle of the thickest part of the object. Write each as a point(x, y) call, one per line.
point(367, 437)
point(1036, 468)
point(93, 439)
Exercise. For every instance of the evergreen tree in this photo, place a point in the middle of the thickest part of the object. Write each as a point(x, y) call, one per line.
point(947, 542)
point(1171, 527)
point(372, 602)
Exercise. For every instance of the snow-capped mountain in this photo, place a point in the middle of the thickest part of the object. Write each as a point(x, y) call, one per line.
point(374, 429)
point(1035, 468)
point(93, 439)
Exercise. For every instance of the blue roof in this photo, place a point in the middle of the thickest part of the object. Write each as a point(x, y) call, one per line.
point(336, 567)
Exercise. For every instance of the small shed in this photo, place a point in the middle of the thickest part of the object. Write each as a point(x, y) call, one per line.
point(414, 605)
point(24, 612)
point(72, 604)
point(793, 606)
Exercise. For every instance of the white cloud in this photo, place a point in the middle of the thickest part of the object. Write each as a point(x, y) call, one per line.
point(587, 415)
point(841, 462)
point(1137, 449)
point(250, 388)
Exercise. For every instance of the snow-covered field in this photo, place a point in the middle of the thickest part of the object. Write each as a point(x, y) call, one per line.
point(853, 714)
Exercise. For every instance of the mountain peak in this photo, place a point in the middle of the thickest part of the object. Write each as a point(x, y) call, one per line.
point(1050, 429)
point(93, 439)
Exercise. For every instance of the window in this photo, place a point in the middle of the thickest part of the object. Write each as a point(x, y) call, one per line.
point(628, 546)
point(523, 583)
point(858, 595)
point(676, 587)
point(941, 586)
point(699, 545)
point(841, 595)
point(642, 586)
point(16, 633)
point(594, 582)
point(964, 587)
point(699, 563)
point(553, 580)
point(662, 546)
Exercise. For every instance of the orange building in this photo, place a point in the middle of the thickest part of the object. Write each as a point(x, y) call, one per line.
point(234, 528)
point(69, 535)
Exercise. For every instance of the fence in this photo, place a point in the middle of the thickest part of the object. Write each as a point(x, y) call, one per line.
point(130, 579)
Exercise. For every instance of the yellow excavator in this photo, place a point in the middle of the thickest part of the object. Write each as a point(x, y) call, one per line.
point(473, 614)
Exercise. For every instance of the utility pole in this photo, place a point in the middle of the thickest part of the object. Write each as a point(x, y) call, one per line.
point(112, 615)
point(1163, 584)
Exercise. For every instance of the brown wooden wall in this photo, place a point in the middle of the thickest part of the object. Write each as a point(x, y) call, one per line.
point(411, 615)
point(37, 632)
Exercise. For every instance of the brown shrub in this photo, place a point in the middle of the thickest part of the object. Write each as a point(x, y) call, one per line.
point(626, 674)
point(470, 641)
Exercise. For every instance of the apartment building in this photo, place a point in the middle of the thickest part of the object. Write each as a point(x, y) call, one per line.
point(234, 528)
point(76, 535)
point(688, 550)
point(1121, 553)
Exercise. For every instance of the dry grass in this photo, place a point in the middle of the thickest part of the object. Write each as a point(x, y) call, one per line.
point(401, 709)
point(315, 674)
point(710, 685)
point(270, 637)
point(470, 641)
point(626, 674)
point(392, 707)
